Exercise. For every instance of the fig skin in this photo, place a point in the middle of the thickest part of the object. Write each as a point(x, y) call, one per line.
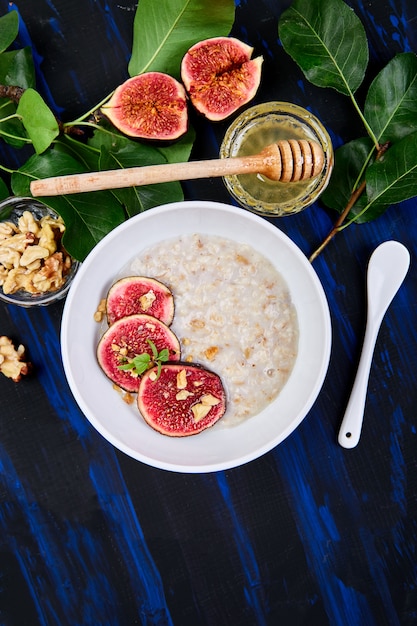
point(128, 296)
point(127, 338)
point(166, 406)
point(152, 105)
point(220, 76)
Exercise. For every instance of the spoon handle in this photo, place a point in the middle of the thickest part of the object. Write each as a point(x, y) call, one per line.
point(350, 429)
point(387, 269)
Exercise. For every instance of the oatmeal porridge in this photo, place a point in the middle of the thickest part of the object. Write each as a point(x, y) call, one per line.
point(233, 315)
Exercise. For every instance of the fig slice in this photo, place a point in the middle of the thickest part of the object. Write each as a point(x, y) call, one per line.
point(139, 294)
point(184, 400)
point(220, 76)
point(129, 337)
point(152, 105)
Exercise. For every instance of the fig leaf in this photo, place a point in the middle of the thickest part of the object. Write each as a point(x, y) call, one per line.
point(348, 174)
point(4, 190)
point(17, 68)
point(9, 27)
point(391, 101)
point(88, 217)
point(393, 178)
point(117, 151)
point(328, 41)
point(12, 130)
point(163, 31)
point(38, 119)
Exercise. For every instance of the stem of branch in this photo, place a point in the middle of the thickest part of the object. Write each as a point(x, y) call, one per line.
point(352, 201)
point(336, 227)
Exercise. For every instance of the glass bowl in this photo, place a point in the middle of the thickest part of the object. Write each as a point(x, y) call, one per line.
point(258, 127)
point(11, 211)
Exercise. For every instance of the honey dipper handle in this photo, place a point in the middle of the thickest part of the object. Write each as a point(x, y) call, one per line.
point(146, 175)
point(287, 161)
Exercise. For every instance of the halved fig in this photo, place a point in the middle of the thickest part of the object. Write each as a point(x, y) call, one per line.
point(129, 337)
point(152, 105)
point(220, 76)
point(183, 400)
point(139, 294)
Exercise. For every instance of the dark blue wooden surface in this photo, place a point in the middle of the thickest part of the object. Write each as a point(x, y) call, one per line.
point(309, 534)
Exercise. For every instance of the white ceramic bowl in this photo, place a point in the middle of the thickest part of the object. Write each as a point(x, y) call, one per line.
point(216, 448)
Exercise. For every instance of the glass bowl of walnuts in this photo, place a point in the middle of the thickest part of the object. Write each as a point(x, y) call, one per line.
point(35, 268)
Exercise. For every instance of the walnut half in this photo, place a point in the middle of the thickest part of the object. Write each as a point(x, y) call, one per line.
point(12, 360)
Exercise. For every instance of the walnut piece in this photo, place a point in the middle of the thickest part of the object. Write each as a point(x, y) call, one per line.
point(182, 379)
point(101, 309)
point(200, 411)
point(211, 352)
point(12, 360)
point(147, 299)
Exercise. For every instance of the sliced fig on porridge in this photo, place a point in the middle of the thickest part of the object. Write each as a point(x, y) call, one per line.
point(133, 344)
point(139, 294)
point(181, 399)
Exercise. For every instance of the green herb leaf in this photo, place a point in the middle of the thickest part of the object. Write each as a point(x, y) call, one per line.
point(163, 31)
point(164, 355)
point(142, 362)
point(391, 102)
point(153, 348)
point(9, 28)
point(328, 41)
point(38, 119)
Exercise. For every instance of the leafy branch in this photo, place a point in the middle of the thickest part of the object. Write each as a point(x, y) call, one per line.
point(328, 42)
point(162, 34)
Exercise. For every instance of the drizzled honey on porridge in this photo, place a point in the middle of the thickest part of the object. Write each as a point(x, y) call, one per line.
point(233, 315)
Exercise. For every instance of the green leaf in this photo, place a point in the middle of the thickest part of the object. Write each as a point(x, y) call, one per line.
point(88, 217)
point(393, 178)
point(347, 174)
point(179, 151)
point(117, 151)
point(328, 41)
point(12, 130)
point(38, 119)
point(17, 68)
point(9, 28)
point(153, 348)
point(164, 355)
point(140, 363)
point(4, 190)
point(391, 103)
point(82, 152)
point(123, 152)
point(164, 30)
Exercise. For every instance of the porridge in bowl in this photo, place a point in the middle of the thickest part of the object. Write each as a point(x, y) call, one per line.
point(233, 315)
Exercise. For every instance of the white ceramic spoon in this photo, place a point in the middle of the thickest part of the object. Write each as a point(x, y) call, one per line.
point(387, 269)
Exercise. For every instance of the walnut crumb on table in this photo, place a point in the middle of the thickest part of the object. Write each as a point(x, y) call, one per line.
point(12, 360)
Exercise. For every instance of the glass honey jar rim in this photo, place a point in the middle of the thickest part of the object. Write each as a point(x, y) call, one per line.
point(309, 124)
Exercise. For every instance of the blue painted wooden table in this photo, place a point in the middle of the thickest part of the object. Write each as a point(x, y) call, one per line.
point(308, 534)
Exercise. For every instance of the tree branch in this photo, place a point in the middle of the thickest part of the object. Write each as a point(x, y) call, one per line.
point(352, 201)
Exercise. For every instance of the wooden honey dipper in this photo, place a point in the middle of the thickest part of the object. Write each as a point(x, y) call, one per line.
point(287, 161)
